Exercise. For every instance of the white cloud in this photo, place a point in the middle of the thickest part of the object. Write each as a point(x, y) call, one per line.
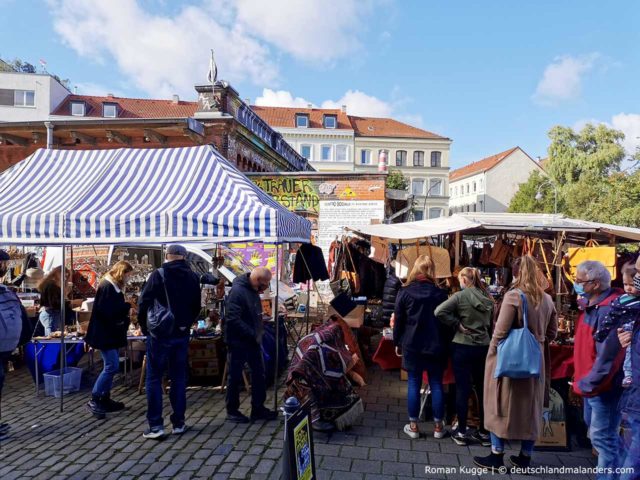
point(280, 98)
point(90, 88)
point(562, 79)
point(166, 53)
point(629, 123)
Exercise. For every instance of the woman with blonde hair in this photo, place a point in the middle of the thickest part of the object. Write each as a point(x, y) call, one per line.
point(513, 406)
point(107, 332)
point(469, 311)
point(421, 341)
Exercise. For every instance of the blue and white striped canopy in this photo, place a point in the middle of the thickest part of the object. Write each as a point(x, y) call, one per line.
point(139, 196)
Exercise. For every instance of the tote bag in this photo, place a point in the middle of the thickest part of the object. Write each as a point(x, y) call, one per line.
point(519, 355)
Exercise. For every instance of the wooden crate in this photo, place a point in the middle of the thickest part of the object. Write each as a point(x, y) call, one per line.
point(206, 357)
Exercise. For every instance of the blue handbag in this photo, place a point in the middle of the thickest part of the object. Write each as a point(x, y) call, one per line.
point(519, 355)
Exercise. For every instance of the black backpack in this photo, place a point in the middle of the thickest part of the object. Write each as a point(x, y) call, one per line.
point(160, 320)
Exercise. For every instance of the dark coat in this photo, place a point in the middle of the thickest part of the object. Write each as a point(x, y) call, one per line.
point(416, 328)
point(109, 319)
point(389, 294)
point(183, 287)
point(632, 404)
point(243, 315)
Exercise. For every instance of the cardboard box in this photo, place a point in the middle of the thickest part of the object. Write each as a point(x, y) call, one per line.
point(355, 319)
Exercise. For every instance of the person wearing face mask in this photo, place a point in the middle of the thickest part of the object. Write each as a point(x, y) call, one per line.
point(243, 331)
point(469, 311)
point(598, 362)
point(107, 332)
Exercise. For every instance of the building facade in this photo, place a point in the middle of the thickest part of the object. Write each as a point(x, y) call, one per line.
point(488, 185)
point(334, 141)
point(421, 156)
point(323, 136)
point(219, 117)
point(28, 97)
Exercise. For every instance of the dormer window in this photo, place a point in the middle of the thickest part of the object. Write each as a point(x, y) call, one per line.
point(302, 120)
point(330, 121)
point(109, 110)
point(78, 109)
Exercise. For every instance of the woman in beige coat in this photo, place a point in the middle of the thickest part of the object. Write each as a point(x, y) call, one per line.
point(513, 407)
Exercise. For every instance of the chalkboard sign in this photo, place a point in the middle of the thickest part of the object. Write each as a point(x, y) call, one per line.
point(300, 463)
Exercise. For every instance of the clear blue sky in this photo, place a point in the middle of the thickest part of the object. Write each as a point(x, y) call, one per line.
point(490, 75)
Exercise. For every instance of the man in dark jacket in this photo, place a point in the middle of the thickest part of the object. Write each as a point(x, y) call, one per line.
point(389, 294)
point(182, 298)
point(243, 331)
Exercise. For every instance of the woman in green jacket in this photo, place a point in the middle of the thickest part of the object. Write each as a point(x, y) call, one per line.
point(470, 311)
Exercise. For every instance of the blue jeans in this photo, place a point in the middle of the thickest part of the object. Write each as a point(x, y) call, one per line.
point(604, 428)
point(50, 320)
point(435, 371)
point(237, 358)
point(631, 448)
point(497, 445)
point(626, 366)
point(171, 353)
point(111, 361)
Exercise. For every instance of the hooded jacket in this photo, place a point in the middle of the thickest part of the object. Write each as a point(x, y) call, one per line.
point(390, 292)
point(243, 326)
point(598, 365)
point(416, 328)
point(472, 309)
point(183, 287)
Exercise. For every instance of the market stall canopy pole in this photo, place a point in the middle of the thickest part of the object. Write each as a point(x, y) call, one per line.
point(128, 195)
point(493, 223)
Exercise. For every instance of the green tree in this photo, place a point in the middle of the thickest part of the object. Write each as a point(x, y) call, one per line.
point(396, 180)
point(534, 196)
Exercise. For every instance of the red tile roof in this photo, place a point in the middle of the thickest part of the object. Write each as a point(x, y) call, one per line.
point(481, 165)
point(387, 127)
point(285, 117)
point(130, 107)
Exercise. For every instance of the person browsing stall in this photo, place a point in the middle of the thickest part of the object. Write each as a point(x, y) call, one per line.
point(107, 332)
point(243, 331)
point(469, 311)
point(169, 304)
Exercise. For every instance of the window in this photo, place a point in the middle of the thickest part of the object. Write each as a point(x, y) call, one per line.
point(330, 121)
point(417, 187)
point(418, 159)
point(435, 212)
point(481, 209)
point(436, 159)
point(365, 157)
point(450, 191)
point(480, 184)
point(305, 151)
point(474, 207)
point(341, 153)
point(401, 158)
point(109, 110)
point(77, 109)
point(435, 187)
point(24, 98)
point(418, 215)
point(467, 191)
point(302, 120)
point(474, 187)
point(326, 153)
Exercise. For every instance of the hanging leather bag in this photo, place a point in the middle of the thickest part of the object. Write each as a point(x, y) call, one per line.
point(593, 251)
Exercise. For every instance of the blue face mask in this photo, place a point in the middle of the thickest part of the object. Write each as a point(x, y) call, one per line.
point(579, 289)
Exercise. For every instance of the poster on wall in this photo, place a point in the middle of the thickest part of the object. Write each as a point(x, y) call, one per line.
point(553, 435)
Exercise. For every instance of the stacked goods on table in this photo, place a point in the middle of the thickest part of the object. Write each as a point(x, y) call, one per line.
point(206, 357)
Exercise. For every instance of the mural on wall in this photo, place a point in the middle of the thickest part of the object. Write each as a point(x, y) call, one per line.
point(244, 257)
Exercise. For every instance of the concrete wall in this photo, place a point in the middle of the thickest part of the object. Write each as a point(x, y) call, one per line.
point(316, 138)
point(504, 180)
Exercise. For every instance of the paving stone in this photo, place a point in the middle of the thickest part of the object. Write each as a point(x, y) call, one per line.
point(346, 476)
point(446, 459)
point(239, 472)
point(264, 466)
point(366, 466)
point(354, 452)
point(383, 454)
point(336, 463)
point(396, 468)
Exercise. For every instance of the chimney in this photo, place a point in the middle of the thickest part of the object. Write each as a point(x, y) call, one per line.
point(109, 95)
point(175, 100)
point(344, 109)
point(247, 101)
point(75, 90)
point(309, 105)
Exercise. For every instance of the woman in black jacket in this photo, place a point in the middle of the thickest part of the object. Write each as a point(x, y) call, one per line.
point(423, 341)
point(107, 332)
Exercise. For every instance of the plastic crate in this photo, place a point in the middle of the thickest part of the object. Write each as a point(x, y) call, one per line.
point(70, 379)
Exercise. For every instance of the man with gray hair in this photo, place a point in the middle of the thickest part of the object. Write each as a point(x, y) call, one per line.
point(598, 364)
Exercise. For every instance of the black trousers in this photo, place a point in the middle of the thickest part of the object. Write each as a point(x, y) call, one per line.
point(468, 369)
point(237, 358)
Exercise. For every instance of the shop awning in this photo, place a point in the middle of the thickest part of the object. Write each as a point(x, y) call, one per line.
point(138, 196)
point(492, 223)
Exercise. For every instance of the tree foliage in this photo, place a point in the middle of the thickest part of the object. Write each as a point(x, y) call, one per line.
point(396, 180)
point(584, 171)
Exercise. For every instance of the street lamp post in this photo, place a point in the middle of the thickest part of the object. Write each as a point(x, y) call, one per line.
point(555, 194)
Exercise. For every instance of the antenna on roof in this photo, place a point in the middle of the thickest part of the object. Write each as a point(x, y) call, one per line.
point(212, 76)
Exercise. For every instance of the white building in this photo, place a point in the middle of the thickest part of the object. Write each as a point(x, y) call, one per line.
point(421, 156)
point(488, 185)
point(26, 97)
point(323, 136)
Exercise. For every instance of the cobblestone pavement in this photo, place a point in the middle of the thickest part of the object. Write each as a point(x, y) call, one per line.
point(45, 443)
